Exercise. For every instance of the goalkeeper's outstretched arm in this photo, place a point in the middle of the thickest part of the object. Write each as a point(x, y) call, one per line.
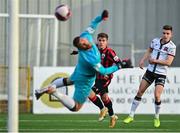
point(105, 71)
point(95, 22)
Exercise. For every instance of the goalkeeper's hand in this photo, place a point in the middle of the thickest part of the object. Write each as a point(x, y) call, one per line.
point(126, 63)
point(119, 64)
point(105, 15)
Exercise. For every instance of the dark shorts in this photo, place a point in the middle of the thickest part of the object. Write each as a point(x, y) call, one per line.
point(101, 86)
point(150, 77)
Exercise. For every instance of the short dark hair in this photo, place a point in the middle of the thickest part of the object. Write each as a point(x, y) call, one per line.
point(103, 35)
point(76, 41)
point(167, 27)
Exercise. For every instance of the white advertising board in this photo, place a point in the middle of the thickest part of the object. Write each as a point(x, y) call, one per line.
point(122, 90)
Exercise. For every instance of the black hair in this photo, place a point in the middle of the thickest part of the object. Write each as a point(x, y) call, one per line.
point(103, 35)
point(76, 41)
point(167, 27)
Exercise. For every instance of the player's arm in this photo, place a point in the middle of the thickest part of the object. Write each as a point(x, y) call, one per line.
point(171, 54)
point(105, 71)
point(114, 57)
point(166, 62)
point(94, 23)
point(145, 57)
point(125, 63)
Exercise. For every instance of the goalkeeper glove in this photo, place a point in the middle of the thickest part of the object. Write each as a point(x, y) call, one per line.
point(126, 63)
point(105, 15)
point(119, 64)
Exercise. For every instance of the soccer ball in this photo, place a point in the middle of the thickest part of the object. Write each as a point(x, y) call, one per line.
point(63, 12)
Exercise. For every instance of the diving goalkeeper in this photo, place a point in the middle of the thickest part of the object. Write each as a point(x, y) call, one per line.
point(83, 77)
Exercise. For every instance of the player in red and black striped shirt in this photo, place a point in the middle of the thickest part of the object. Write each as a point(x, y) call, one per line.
point(108, 58)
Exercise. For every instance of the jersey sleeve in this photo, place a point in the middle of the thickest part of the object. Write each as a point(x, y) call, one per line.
point(113, 56)
point(152, 44)
point(105, 71)
point(94, 23)
point(91, 29)
point(172, 51)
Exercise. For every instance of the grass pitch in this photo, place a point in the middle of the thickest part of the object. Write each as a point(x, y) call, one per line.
point(89, 123)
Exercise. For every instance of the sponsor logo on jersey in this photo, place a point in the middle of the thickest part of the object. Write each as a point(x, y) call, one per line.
point(116, 58)
point(165, 49)
point(103, 56)
point(90, 30)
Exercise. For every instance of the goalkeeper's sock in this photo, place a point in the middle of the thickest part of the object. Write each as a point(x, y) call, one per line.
point(134, 106)
point(58, 82)
point(96, 100)
point(108, 104)
point(157, 109)
point(64, 99)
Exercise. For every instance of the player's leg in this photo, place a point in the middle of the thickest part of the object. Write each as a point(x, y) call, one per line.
point(142, 88)
point(146, 81)
point(97, 101)
point(157, 103)
point(108, 103)
point(82, 91)
point(159, 86)
point(67, 101)
point(60, 82)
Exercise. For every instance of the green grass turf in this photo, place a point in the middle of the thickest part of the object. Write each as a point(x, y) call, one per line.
point(89, 123)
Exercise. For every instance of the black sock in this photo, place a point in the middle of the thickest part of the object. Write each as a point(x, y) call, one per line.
point(108, 104)
point(157, 103)
point(96, 100)
point(137, 98)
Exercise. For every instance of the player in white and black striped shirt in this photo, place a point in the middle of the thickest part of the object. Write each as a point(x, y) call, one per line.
point(160, 55)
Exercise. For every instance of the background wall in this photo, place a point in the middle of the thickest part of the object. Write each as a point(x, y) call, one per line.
point(131, 22)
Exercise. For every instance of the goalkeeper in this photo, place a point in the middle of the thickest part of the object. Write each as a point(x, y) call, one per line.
point(108, 58)
point(83, 77)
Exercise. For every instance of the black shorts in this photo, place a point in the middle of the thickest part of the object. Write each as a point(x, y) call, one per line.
point(150, 77)
point(101, 86)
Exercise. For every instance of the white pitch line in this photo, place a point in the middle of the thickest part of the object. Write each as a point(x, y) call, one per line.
point(46, 120)
point(102, 130)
